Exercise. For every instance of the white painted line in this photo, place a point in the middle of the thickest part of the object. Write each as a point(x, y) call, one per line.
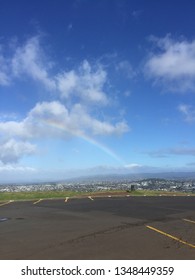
point(38, 201)
point(6, 202)
point(190, 221)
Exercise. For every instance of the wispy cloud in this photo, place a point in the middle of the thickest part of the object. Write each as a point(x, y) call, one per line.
point(4, 79)
point(188, 112)
point(191, 164)
point(178, 151)
point(126, 68)
point(172, 64)
point(4, 70)
point(29, 59)
point(70, 26)
point(136, 14)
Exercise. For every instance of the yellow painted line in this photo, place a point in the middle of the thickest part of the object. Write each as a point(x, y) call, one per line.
point(6, 202)
point(171, 236)
point(38, 201)
point(66, 200)
point(190, 221)
point(90, 197)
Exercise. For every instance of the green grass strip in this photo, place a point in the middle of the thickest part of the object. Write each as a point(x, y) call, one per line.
point(4, 196)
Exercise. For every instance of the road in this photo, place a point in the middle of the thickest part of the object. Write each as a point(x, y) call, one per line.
point(99, 228)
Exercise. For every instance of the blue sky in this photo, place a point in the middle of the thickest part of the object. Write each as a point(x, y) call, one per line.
point(96, 87)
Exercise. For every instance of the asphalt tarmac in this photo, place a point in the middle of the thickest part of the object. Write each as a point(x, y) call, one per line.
point(133, 228)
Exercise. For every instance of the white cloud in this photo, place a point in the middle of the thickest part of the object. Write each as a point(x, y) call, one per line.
point(29, 59)
point(188, 111)
point(125, 67)
point(12, 150)
point(13, 128)
point(4, 79)
point(4, 76)
point(87, 83)
point(76, 121)
point(173, 64)
point(45, 110)
point(15, 168)
point(53, 119)
point(97, 127)
point(67, 82)
point(132, 166)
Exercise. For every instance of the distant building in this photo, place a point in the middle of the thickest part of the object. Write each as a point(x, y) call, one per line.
point(132, 187)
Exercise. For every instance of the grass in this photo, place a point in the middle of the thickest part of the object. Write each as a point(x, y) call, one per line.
point(35, 195)
point(158, 193)
point(5, 196)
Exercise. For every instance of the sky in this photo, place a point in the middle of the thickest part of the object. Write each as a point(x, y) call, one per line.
point(96, 87)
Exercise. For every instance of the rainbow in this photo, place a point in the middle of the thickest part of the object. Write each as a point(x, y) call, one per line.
point(103, 148)
point(86, 138)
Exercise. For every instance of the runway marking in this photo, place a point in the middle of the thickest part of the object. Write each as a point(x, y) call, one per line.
point(190, 221)
point(90, 197)
point(38, 201)
point(171, 236)
point(66, 200)
point(6, 202)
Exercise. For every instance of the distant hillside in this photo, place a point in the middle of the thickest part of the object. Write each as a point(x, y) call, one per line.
point(141, 176)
